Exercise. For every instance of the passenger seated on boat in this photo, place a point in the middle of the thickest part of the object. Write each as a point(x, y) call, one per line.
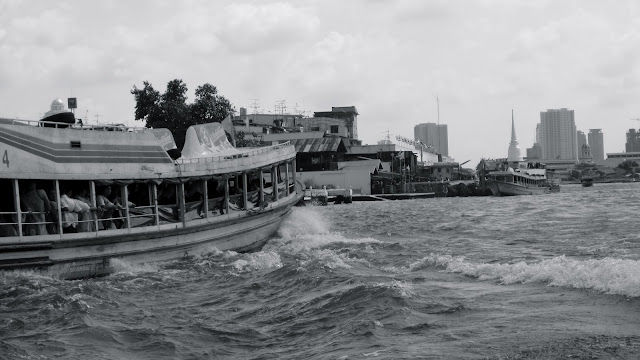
point(36, 203)
point(86, 218)
point(71, 209)
point(105, 209)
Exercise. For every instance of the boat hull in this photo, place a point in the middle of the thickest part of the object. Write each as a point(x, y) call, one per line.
point(587, 183)
point(89, 255)
point(510, 189)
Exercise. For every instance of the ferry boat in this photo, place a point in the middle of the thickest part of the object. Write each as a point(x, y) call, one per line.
point(79, 200)
point(524, 179)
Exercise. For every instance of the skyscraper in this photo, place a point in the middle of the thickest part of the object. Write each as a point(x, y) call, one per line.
point(432, 134)
point(596, 143)
point(558, 135)
point(633, 141)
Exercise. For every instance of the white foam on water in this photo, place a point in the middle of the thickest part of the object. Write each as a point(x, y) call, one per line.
point(608, 275)
point(305, 234)
point(122, 266)
point(258, 261)
point(403, 288)
point(303, 221)
point(325, 257)
point(80, 300)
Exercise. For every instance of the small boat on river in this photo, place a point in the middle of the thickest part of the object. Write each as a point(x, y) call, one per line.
point(77, 201)
point(586, 181)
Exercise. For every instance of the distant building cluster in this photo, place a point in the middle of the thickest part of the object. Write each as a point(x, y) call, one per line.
point(330, 153)
point(558, 140)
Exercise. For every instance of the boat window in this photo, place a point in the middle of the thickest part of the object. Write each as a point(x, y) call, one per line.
point(8, 216)
point(168, 209)
point(140, 205)
point(39, 207)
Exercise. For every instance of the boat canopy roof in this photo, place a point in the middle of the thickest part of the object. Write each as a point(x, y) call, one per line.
point(87, 153)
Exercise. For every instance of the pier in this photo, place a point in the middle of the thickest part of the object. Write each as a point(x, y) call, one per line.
point(345, 196)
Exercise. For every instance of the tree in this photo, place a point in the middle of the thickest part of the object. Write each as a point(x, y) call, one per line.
point(170, 110)
point(242, 141)
point(628, 165)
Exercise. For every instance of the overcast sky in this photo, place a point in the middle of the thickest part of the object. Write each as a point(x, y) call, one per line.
point(389, 59)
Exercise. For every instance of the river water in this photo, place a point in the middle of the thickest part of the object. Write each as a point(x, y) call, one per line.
point(530, 277)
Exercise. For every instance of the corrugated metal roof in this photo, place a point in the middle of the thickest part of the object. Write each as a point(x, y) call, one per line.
point(317, 145)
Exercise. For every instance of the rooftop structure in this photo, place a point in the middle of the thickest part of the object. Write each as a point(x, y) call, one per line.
point(347, 113)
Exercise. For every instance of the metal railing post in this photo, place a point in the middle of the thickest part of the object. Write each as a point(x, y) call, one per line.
point(92, 195)
point(16, 204)
point(244, 191)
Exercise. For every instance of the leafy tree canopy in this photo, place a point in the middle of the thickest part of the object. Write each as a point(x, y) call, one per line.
point(242, 141)
point(170, 110)
point(628, 165)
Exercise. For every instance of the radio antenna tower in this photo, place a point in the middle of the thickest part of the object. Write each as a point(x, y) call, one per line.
point(255, 105)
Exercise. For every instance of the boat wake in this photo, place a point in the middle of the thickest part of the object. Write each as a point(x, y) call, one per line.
point(306, 236)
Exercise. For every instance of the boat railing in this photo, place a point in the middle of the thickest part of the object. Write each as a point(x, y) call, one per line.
point(243, 154)
point(58, 125)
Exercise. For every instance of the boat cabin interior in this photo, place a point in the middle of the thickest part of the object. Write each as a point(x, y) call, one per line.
point(44, 207)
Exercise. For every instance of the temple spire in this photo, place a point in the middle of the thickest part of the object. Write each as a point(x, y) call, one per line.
point(513, 130)
point(514, 149)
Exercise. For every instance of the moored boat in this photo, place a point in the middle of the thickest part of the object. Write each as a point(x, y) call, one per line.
point(524, 178)
point(77, 199)
point(586, 181)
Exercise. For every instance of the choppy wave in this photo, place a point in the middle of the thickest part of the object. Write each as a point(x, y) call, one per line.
point(353, 281)
point(306, 236)
point(608, 275)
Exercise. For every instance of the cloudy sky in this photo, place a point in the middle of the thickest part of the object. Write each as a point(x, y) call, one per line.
point(388, 58)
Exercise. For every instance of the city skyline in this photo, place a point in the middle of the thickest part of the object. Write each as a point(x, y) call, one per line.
point(393, 64)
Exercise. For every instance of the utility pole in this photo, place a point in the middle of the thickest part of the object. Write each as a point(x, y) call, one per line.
point(97, 118)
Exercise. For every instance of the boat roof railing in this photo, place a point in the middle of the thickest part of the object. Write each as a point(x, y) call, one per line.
point(59, 125)
point(238, 155)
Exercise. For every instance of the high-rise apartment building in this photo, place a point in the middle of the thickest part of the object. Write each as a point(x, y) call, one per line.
point(558, 135)
point(432, 134)
point(633, 141)
point(596, 143)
